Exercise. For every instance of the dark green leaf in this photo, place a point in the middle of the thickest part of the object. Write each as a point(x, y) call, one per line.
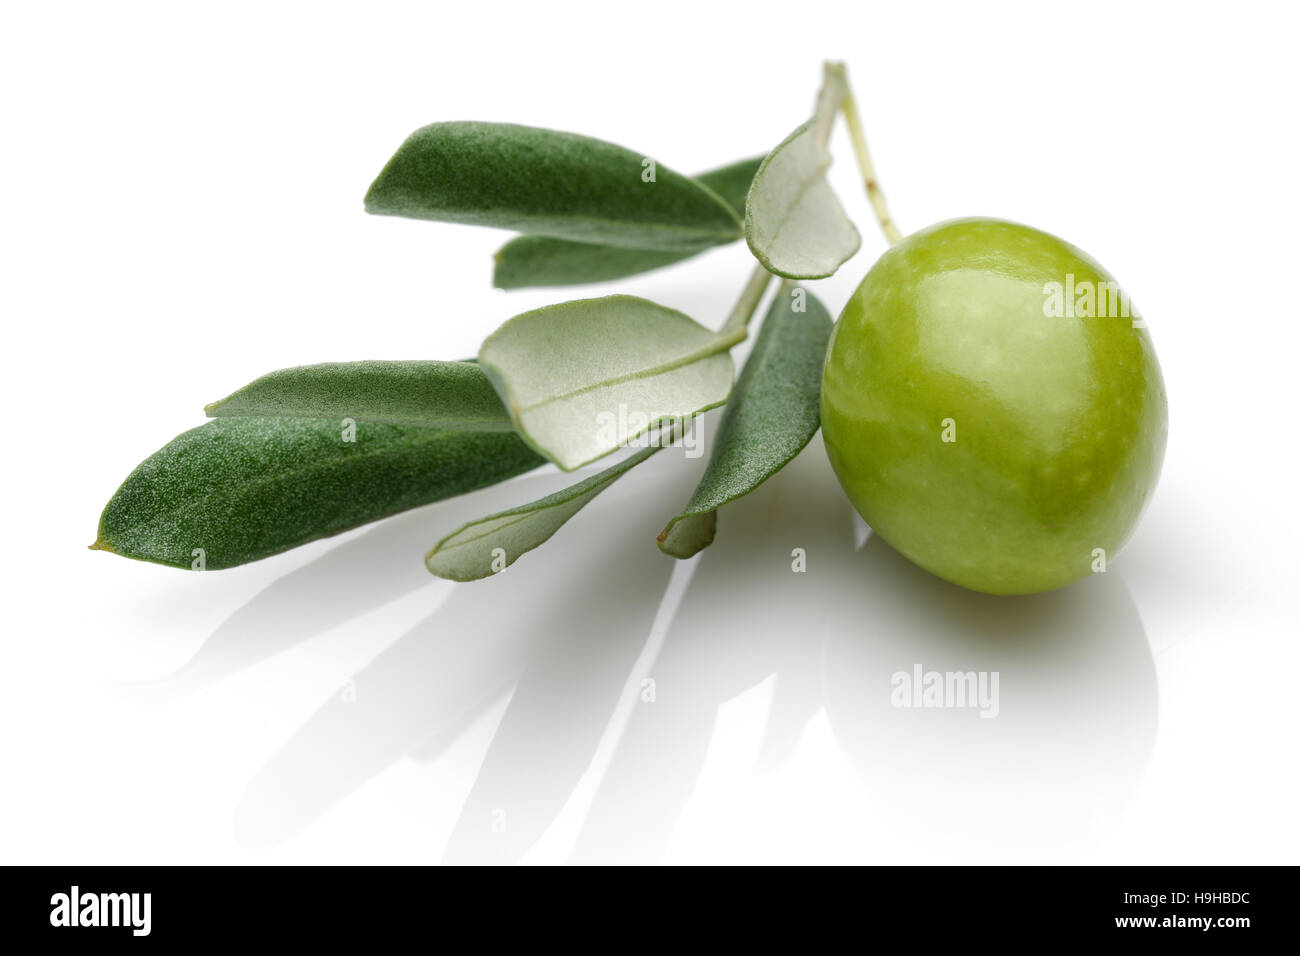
point(541, 261)
point(732, 182)
point(772, 414)
point(242, 489)
point(445, 395)
point(549, 184)
point(531, 261)
point(481, 548)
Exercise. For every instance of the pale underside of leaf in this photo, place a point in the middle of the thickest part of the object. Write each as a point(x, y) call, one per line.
point(794, 222)
point(582, 378)
point(773, 413)
point(443, 395)
point(484, 547)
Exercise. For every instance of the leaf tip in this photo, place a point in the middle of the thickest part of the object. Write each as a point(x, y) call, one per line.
point(371, 202)
point(670, 549)
point(436, 567)
point(679, 555)
point(501, 278)
point(102, 545)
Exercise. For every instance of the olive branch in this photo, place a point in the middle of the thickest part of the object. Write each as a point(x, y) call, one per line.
point(304, 453)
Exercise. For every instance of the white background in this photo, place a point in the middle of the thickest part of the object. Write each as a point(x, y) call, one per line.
point(182, 213)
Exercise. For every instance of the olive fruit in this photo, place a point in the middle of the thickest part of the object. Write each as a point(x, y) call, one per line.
point(993, 407)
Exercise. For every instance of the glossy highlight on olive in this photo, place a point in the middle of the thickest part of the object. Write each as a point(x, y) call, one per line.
point(993, 406)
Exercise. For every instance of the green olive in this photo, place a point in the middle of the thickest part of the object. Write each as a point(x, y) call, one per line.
point(993, 407)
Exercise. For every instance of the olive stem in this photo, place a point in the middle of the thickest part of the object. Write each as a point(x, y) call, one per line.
point(835, 87)
point(738, 321)
point(849, 107)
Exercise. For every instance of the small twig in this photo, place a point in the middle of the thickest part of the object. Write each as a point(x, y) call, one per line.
point(743, 311)
point(835, 87)
point(849, 107)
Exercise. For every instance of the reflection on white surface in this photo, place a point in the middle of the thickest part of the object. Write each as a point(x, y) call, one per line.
point(155, 307)
point(561, 633)
point(562, 628)
point(1077, 687)
point(1076, 722)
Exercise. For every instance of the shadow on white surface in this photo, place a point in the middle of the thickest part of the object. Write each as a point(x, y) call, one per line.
point(1075, 727)
point(380, 565)
point(564, 629)
point(1077, 688)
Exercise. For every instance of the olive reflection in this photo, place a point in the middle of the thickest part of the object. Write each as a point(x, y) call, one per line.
point(1075, 707)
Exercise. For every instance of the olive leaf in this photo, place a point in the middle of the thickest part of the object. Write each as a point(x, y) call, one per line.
point(238, 489)
point(581, 378)
point(530, 261)
point(732, 182)
point(481, 548)
point(772, 414)
point(794, 222)
point(549, 183)
point(444, 395)
point(542, 261)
